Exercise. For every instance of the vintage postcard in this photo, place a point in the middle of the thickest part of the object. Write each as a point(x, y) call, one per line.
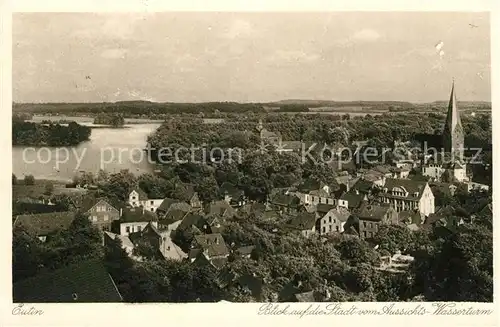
point(311, 164)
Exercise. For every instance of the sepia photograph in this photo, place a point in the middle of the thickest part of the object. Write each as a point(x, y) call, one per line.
point(263, 157)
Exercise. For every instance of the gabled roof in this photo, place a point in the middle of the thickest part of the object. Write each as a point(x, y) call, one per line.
point(171, 204)
point(372, 212)
point(126, 242)
point(130, 215)
point(285, 200)
point(341, 213)
point(89, 201)
point(323, 208)
point(303, 221)
point(220, 208)
point(86, 281)
point(214, 244)
point(192, 219)
point(172, 216)
point(45, 223)
point(353, 199)
point(410, 217)
point(255, 207)
point(142, 194)
point(363, 186)
point(411, 186)
point(190, 192)
point(309, 185)
point(231, 190)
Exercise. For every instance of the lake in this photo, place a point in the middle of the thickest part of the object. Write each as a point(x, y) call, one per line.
point(109, 148)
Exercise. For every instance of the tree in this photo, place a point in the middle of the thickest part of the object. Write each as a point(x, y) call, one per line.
point(207, 189)
point(49, 188)
point(29, 180)
point(394, 238)
point(357, 251)
point(460, 270)
point(14, 179)
point(26, 255)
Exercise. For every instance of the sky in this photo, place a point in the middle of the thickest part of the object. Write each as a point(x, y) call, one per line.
point(250, 57)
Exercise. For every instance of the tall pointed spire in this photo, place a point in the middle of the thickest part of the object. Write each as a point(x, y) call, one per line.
point(453, 135)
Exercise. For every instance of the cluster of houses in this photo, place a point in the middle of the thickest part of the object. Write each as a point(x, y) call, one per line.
point(358, 204)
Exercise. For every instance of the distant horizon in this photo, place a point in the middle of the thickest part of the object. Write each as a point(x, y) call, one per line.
point(253, 102)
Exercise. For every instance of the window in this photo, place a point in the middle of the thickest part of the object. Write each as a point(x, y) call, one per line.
point(127, 229)
point(364, 224)
point(330, 228)
point(151, 202)
point(105, 217)
point(139, 228)
point(168, 248)
point(110, 209)
point(153, 209)
point(364, 233)
point(329, 219)
point(337, 228)
point(334, 221)
point(134, 198)
point(324, 229)
point(94, 218)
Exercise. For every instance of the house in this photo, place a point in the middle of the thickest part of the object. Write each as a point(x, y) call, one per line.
point(210, 247)
point(135, 219)
point(233, 195)
point(192, 196)
point(101, 212)
point(169, 204)
point(397, 263)
point(322, 209)
point(441, 167)
point(220, 209)
point(304, 222)
point(352, 199)
point(255, 208)
point(44, 225)
point(127, 244)
point(407, 194)
point(403, 172)
point(333, 221)
point(194, 221)
point(158, 239)
point(409, 217)
point(372, 216)
point(447, 217)
point(477, 186)
point(172, 219)
point(84, 282)
point(245, 251)
point(285, 203)
point(315, 192)
point(268, 137)
point(138, 198)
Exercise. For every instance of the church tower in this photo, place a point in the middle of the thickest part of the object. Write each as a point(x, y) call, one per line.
point(453, 134)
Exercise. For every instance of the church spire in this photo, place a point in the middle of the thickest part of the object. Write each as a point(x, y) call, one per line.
point(453, 136)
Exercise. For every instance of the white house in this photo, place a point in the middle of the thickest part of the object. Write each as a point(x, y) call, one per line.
point(138, 198)
point(407, 194)
point(135, 220)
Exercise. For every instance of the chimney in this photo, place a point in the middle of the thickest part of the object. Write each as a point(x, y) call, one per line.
point(357, 192)
point(121, 212)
